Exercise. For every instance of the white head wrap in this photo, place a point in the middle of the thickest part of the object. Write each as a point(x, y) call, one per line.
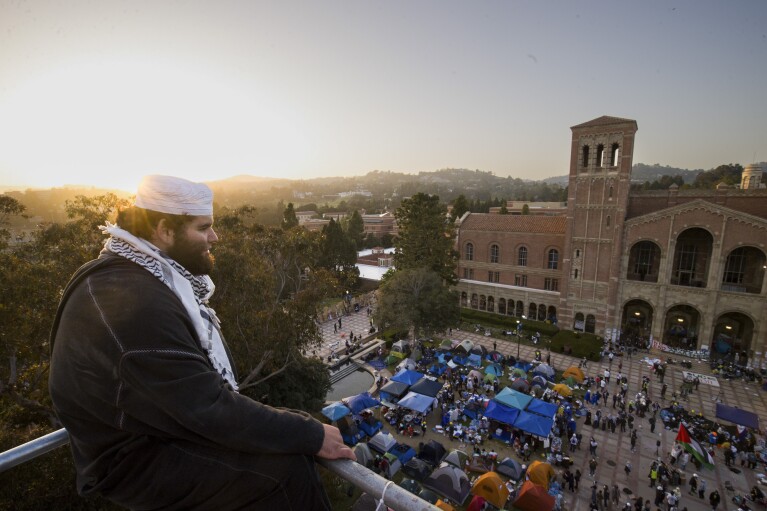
point(175, 196)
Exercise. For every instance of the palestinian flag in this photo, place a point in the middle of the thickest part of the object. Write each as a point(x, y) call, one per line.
point(693, 447)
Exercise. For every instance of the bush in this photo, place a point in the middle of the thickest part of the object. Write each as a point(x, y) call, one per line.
point(582, 344)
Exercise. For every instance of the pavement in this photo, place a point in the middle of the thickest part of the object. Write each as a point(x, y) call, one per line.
point(614, 448)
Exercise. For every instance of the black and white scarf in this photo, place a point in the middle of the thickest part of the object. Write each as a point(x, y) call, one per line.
point(194, 291)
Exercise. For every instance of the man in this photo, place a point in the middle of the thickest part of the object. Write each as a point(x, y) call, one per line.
point(142, 379)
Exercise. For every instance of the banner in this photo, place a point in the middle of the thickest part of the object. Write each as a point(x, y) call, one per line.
point(704, 378)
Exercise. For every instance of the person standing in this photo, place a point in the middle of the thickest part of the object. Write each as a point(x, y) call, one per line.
point(142, 379)
point(714, 499)
point(577, 477)
point(592, 467)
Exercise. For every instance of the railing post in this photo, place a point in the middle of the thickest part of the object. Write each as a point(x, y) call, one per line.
point(33, 449)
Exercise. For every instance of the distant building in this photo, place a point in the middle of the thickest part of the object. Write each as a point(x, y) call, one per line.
point(373, 263)
point(315, 224)
point(684, 267)
point(533, 208)
point(303, 216)
point(335, 215)
point(379, 224)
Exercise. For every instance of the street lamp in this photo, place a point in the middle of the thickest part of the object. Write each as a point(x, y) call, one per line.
point(519, 334)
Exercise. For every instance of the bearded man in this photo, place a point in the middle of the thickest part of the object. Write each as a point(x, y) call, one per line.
point(142, 379)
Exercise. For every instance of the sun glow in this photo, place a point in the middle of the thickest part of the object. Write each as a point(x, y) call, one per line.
point(107, 123)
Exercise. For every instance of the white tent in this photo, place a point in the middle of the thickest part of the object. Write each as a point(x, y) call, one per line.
point(382, 442)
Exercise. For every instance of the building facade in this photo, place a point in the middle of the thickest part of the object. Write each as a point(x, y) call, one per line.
point(686, 268)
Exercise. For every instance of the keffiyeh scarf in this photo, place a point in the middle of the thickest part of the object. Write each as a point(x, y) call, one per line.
point(194, 291)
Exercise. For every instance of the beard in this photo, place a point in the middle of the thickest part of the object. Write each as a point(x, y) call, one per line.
point(192, 255)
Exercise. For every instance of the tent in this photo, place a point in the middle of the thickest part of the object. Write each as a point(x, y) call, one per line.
point(495, 356)
point(364, 455)
point(489, 377)
point(407, 376)
point(416, 402)
point(540, 473)
point(450, 482)
point(510, 397)
point(429, 496)
point(492, 488)
point(393, 390)
point(520, 385)
point(545, 369)
point(411, 485)
point(472, 409)
point(466, 346)
point(382, 442)
point(540, 381)
point(394, 465)
point(403, 452)
point(417, 469)
point(562, 390)
point(501, 413)
point(457, 458)
point(534, 424)
point(494, 369)
point(480, 350)
point(474, 360)
point(521, 364)
point(460, 360)
point(446, 344)
point(444, 505)
point(426, 387)
point(350, 433)
point(437, 368)
point(475, 373)
point(335, 411)
point(401, 346)
point(477, 504)
point(393, 358)
point(541, 407)
point(517, 372)
point(575, 372)
point(370, 425)
point(511, 468)
point(407, 363)
point(533, 497)
point(738, 416)
point(361, 402)
point(432, 452)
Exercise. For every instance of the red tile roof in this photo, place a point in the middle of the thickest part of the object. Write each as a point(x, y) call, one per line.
point(515, 223)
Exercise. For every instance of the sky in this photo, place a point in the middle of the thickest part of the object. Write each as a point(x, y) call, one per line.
point(102, 92)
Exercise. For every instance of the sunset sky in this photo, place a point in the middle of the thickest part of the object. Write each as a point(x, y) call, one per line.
point(101, 92)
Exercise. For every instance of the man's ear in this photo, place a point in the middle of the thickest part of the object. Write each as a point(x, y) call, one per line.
point(163, 235)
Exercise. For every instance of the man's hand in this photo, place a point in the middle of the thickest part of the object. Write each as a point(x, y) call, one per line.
point(333, 446)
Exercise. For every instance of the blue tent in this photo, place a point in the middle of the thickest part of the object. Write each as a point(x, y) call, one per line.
point(393, 390)
point(534, 424)
point(460, 360)
point(335, 411)
point(407, 376)
point(525, 366)
point(360, 402)
point(417, 402)
point(540, 407)
point(437, 368)
point(495, 369)
point(512, 398)
point(426, 387)
point(475, 360)
point(501, 413)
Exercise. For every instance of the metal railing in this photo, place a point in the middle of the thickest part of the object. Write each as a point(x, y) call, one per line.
point(393, 496)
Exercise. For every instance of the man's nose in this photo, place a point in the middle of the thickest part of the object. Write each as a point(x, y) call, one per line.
point(212, 236)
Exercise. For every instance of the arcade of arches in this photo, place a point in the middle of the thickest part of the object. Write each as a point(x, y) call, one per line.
point(510, 307)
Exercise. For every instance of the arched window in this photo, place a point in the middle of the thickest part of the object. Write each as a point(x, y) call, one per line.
point(541, 312)
point(501, 306)
point(532, 311)
point(520, 309)
point(522, 257)
point(575, 275)
point(585, 160)
point(614, 155)
point(474, 301)
point(600, 155)
point(608, 220)
point(553, 260)
point(610, 193)
point(490, 304)
point(495, 253)
point(464, 299)
point(469, 253)
point(577, 253)
point(482, 302)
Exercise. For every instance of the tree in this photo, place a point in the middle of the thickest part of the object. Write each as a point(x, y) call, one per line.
point(356, 229)
point(416, 300)
point(460, 206)
point(525, 209)
point(338, 254)
point(289, 218)
point(9, 207)
point(504, 210)
point(727, 174)
point(425, 238)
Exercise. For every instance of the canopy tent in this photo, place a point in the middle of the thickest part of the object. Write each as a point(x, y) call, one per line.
point(417, 468)
point(450, 482)
point(534, 424)
point(541, 407)
point(511, 397)
point(394, 389)
point(540, 473)
point(511, 468)
point(474, 360)
point(426, 387)
point(520, 385)
point(382, 442)
point(364, 456)
point(432, 452)
point(533, 497)
point(407, 364)
point(465, 346)
point(738, 416)
point(360, 402)
point(335, 411)
point(575, 372)
point(407, 376)
point(492, 488)
point(501, 413)
point(457, 458)
point(417, 402)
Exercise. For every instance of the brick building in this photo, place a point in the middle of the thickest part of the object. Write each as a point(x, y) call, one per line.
point(685, 267)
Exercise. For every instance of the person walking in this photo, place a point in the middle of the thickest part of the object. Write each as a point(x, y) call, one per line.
point(714, 499)
point(592, 467)
point(577, 477)
point(702, 488)
point(627, 469)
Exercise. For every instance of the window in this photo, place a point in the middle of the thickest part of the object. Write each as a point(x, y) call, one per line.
point(645, 259)
point(468, 273)
point(575, 275)
point(482, 303)
point(578, 253)
point(490, 304)
point(522, 257)
point(608, 220)
point(614, 155)
point(551, 284)
point(502, 306)
point(585, 160)
point(734, 268)
point(553, 259)
point(495, 251)
point(600, 155)
point(469, 252)
point(610, 193)
point(493, 276)
point(520, 280)
point(685, 268)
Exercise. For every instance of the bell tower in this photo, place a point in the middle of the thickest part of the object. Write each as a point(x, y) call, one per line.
point(601, 157)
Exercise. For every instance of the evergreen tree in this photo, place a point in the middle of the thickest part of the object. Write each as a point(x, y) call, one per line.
point(460, 206)
point(356, 229)
point(289, 218)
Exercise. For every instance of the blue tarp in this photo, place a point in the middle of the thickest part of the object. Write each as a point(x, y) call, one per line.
point(360, 402)
point(738, 416)
point(407, 376)
point(335, 411)
point(417, 402)
point(534, 424)
point(512, 398)
point(541, 407)
point(426, 387)
point(501, 413)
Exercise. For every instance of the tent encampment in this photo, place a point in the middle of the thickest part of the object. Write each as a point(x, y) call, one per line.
point(533, 423)
point(457, 458)
point(513, 398)
point(382, 442)
point(393, 390)
point(533, 497)
point(407, 363)
point(417, 468)
point(511, 468)
point(394, 465)
point(540, 407)
point(432, 452)
point(450, 482)
point(407, 376)
point(501, 413)
point(540, 473)
point(335, 411)
point(465, 346)
point(426, 387)
point(492, 488)
point(401, 346)
point(417, 402)
point(738, 416)
point(411, 485)
point(360, 402)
